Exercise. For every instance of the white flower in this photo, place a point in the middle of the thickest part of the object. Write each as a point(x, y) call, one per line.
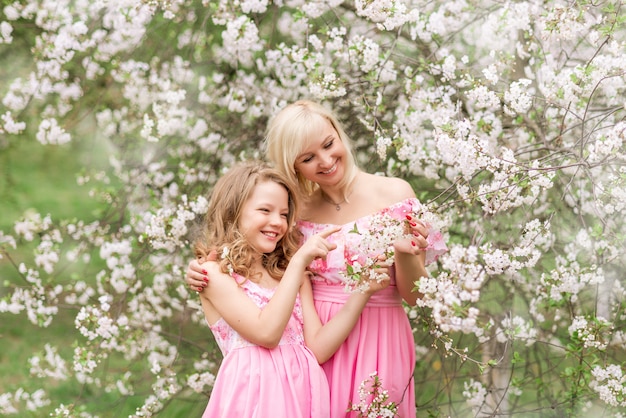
point(51, 133)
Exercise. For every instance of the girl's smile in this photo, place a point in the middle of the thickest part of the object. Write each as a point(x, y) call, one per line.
point(263, 219)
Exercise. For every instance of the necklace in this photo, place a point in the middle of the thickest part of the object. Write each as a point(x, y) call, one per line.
point(337, 205)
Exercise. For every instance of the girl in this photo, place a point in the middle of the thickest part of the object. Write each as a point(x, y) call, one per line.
point(259, 305)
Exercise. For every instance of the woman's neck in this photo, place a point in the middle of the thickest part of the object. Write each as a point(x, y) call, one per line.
point(337, 196)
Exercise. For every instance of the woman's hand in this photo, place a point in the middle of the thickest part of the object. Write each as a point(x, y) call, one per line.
point(196, 276)
point(418, 243)
point(410, 259)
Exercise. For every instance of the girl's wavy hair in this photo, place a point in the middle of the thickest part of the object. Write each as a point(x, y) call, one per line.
point(286, 138)
point(221, 223)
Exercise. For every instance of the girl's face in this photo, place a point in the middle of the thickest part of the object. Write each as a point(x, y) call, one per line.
point(322, 161)
point(264, 215)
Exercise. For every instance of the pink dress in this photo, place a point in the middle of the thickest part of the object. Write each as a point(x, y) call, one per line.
point(382, 340)
point(253, 381)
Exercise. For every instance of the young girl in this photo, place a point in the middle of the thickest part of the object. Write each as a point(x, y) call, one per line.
point(259, 303)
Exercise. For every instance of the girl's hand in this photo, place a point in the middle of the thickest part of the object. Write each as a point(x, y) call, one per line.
point(417, 244)
point(380, 279)
point(317, 246)
point(377, 285)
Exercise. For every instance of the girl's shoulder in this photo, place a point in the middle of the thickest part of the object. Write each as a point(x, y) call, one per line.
point(214, 271)
point(210, 265)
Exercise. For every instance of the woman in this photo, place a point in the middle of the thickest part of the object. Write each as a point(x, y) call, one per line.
point(306, 142)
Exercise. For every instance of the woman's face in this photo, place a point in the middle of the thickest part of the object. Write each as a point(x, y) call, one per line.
point(322, 161)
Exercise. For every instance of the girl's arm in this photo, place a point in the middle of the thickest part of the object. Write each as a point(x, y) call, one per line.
point(324, 339)
point(225, 299)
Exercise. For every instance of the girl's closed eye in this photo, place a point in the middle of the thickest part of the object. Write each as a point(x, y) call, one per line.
point(329, 144)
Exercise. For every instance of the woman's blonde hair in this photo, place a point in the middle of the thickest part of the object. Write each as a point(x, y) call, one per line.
point(286, 140)
point(221, 225)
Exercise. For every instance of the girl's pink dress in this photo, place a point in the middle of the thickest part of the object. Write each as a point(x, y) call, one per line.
point(382, 340)
point(253, 381)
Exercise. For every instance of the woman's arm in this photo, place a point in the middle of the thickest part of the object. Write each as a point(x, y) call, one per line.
point(409, 253)
point(410, 266)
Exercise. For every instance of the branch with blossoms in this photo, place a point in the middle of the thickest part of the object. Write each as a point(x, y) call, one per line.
point(374, 399)
point(374, 251)
point(375, 248)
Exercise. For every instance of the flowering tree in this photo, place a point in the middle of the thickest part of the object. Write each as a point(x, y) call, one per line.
point(507, 117)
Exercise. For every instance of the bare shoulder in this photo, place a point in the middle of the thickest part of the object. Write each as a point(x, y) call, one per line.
point(210, 266)
point(221, 287)
point(215, 273)
point(390, 189)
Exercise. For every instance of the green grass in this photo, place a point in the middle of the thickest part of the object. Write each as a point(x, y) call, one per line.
point(36, 178)
point(40, 179)
point(43, 179)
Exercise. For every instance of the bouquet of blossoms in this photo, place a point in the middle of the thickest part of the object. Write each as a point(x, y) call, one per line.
point(373, 250)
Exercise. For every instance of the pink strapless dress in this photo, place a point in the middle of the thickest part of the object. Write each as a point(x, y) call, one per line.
point(253, 381)
point(382, 340)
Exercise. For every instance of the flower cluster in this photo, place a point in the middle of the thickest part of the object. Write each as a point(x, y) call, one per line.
point(452, 295)
point(475, 394)
point(20, 400)
point(516, 328)
point(374, 399)
point(204, 380)
point(610, 384)
point(591, 333)
point(226, 256)
point(375, 250)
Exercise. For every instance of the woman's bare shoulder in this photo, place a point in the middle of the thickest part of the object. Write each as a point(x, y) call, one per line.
point(392, 189)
